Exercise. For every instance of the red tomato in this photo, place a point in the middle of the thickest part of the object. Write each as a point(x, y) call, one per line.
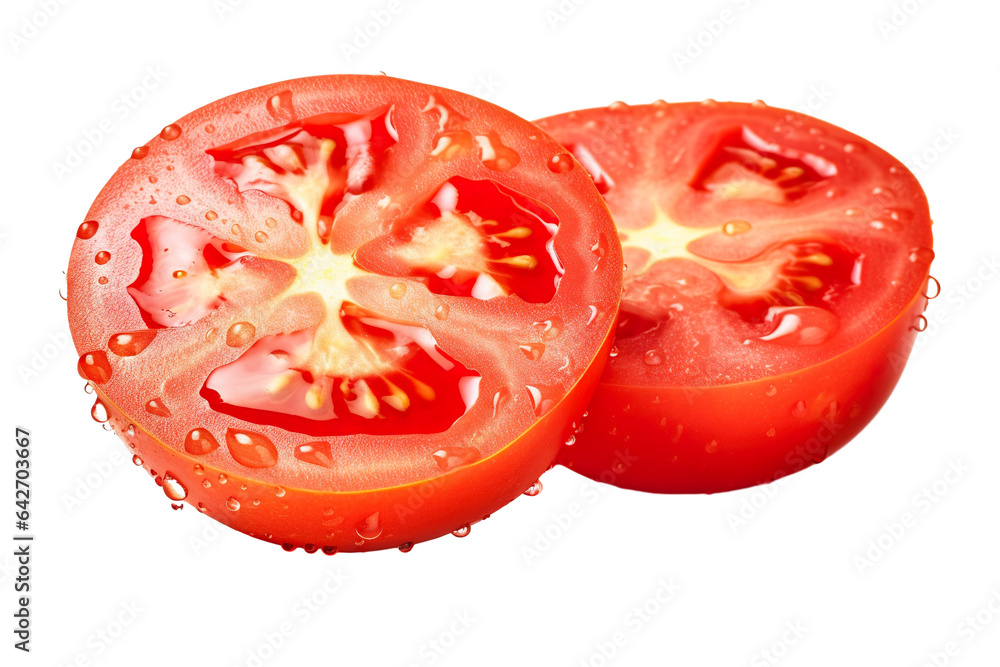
point(345, 312)
point(776, 269)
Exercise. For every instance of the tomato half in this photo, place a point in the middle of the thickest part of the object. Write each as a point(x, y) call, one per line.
point(775, 280)
point(345, 312)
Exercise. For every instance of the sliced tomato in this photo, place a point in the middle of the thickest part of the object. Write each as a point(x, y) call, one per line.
point(775, 280)
point(345, 312)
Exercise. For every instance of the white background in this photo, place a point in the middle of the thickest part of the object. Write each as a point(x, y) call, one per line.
point(206, 596)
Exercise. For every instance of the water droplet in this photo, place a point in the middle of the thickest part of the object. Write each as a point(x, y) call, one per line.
point(253, 450)
point(801, 325)
point(653, 357)
point(271, 222)
point(450, 458)
point(551, 328)
point(534, 489)
point(130, 431)
point(200, 442)
point(179, 273)
point(99, 412)
point(736, 227)
point(102, 280)
point(170, 132)
point(236, 230)
point(329, 551)
point(223, 479)
point(183, 200)
point(397, 291)
point(532, 351)
point(94, 366)
point(130, 343)
point(173, 488)
point(771, 432)
point(140, 152)
point(924, 255)
point(928, 292)
point(156, 407)
point(771, 390)
point(709, 102)
point(463, 531)
point(280, 107)
point(280, 492)
point(211, 215)
point(207, 484)
point(232, 504)
point(541, 399)
point(260, 237)
point(102, 257)
point(441, 312)
point(136, 460)
point(210, 128)
point(799, 409)
point(198, 469)
point(240, 334)
point(406, 547)
point(317, 453)
point(87, 229)
point(614, 351)
point(561, 163)
point(760, 104)
point(369, 528)
point(570, 441)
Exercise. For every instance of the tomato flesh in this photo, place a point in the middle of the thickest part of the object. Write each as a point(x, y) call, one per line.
point(775, 270)
point(306, 302)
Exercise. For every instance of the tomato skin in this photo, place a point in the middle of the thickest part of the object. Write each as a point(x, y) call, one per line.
point(408, 513)
point(643, 454)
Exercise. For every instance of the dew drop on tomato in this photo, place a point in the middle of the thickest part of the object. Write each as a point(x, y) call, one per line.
point(232, 504)
point(317, 453)
point(653, 358)
point(130, 343)
point(532, 351)
point(561, 163)
point(87, 229)
point(736, 227)
point(534, 489)
point(397, 290)
point(280, 106)
point(450, 458)
point(99, 412)
point(156, 407)
point(463, 531)
point(922, 255)
point(803, 325)
point(260, 237)
point(542, 398)
point(369, 528)
point(136, 460)
point(240, 334)
point(170, 132)
point(253, 450)
point(406, 547)
point(799, 409)
point(172, 487)
point(200, 442)
point(441, 312)
point(94, 366)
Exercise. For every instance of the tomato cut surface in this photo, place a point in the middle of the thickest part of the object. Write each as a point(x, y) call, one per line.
point(775, 274)
point(345, 312)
